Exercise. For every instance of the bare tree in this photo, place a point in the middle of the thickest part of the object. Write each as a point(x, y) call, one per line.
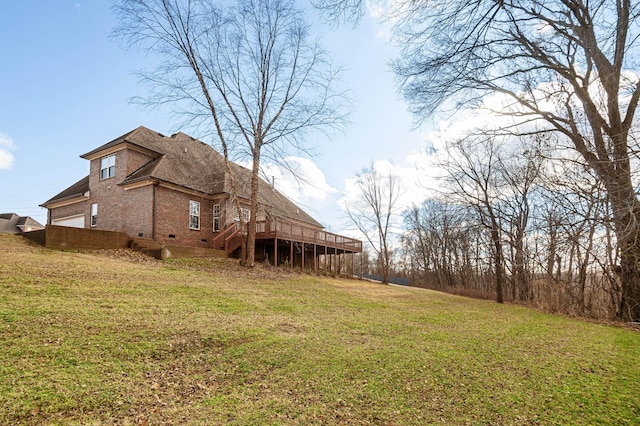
point(520, 171)
point(415, 240)
point(575, 218)
point(374, 210)
point(337, 11)
point(251, 71)
point(472, 177)
point(551, 216)
point(567, 63)
point(438, 239)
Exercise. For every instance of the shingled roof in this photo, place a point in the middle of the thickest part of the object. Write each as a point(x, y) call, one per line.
point(280, 205)
point(78, 189)
point(11, 223)
point(185, 161)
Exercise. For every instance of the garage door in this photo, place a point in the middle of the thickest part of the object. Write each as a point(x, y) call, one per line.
point(71, 221)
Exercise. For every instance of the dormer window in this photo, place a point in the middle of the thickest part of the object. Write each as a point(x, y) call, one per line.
point(108, 166)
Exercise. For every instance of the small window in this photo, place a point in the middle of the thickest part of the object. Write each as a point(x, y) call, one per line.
point(194, 215)
point(108, 166)
point(216, 217)
point(94, 214)
point(246, 214)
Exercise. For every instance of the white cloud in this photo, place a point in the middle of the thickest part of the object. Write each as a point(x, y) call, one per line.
point(6, 157)
point(300, 180)
point(378, 9)
point(381, 11)
point(415, 177)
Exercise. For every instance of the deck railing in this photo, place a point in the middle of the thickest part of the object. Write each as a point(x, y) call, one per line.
point(221, 241)
point(291, 231)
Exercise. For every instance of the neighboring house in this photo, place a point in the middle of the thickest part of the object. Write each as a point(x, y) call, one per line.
point(175, 191)
point(11, 223)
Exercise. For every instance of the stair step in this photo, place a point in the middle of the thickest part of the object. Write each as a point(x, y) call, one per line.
point(142, 244)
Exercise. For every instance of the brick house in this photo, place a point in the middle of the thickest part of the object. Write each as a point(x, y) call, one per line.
point(175, 191)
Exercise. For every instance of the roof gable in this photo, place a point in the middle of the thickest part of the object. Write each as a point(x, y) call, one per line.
point(183, 161)
point(141, 137)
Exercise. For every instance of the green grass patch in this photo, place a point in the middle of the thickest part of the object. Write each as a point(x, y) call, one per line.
point(90, 338)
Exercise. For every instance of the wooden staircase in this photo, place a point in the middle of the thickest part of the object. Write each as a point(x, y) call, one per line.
point(229, 239)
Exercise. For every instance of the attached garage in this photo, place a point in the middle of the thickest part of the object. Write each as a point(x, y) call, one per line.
point(76, 221)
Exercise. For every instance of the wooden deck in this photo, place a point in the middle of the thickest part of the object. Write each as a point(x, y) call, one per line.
point(282, 230)
point(229, 238)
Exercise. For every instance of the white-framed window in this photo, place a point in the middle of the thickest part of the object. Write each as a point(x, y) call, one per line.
point(194, 214)
point(216, 217)
point(108, 166)
point(94, 214)
point(246, 214)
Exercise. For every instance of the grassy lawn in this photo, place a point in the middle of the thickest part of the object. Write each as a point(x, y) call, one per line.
point(95, 338)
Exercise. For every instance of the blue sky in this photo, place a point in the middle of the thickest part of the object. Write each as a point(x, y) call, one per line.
point(64, 90)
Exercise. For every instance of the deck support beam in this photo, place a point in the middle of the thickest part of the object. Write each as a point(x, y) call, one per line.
point(325, 259)
point(275, 252)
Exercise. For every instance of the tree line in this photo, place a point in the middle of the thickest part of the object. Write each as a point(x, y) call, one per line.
point(514, 219)
point(518, 226)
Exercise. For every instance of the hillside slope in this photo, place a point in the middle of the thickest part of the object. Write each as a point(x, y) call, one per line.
point(114, 337)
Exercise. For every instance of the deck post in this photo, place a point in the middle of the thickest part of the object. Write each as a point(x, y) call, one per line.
point(291, 254)
point(302, 257)
point(275, 252)
point(325, 258)
point(315, 259)
point(353, 264)
point(332, 262)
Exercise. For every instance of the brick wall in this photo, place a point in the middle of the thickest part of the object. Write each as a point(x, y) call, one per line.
point(63, 237)
point(66, 238)
point(71, 210)
point(132, 160)
point(128, 211)
point(172, 226)
point(136, 216)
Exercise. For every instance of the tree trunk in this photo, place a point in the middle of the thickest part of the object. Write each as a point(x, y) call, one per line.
point(626, 216)
point(552, 247)
point(630, 278)
point(497, 260)
point(384, 262)
point(522, 284)
point(251, 231)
